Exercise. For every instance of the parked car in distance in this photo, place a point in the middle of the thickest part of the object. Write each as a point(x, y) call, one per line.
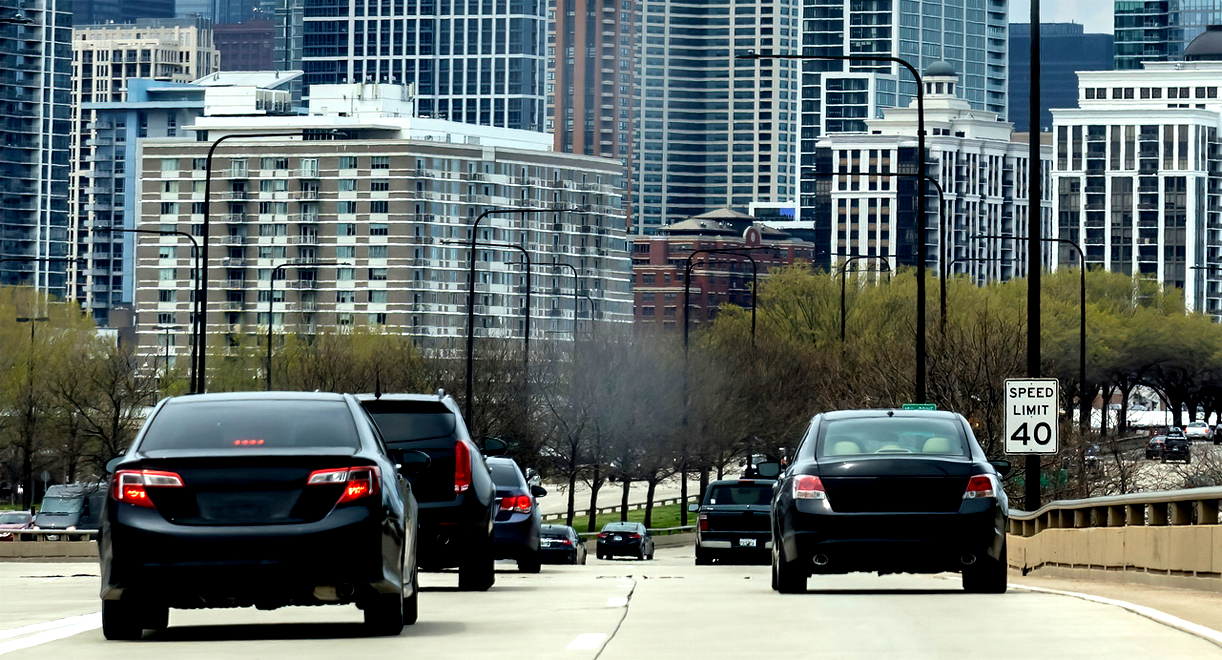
point(71, 507)
point(1177, 448)
point(264, 499)
point(515, 532)
point(11, 521)
point(890, 491)
point(560, 544)
point(732, 521)
point(1198, 431)
point(630, 539)
point(455, 491)
point(1154, 448)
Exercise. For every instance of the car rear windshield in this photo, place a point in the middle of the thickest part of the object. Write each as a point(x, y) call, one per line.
point(899, 435)
point(408, 421)
point(739, 495)
point(506, 475)
point(621, 527)
point(244, 424)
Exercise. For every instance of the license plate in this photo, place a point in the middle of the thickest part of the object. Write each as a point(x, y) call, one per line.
point(616, 538)
point(746, 543)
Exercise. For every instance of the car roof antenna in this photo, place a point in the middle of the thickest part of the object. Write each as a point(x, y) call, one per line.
point(441, 394)
point(377, 384)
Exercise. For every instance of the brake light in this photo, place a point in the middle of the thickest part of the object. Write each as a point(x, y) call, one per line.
point(462, 467)
point(980, 485)
point(565, 542)
point(519, 503)
point(633, 535)
point(808, 487)
point(131, 486)
point(602, 535)
point(358, 482)
point(704, 522)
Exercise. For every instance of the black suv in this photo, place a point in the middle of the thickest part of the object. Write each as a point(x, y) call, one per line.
point(733, 521)
point(456, 494)
point(1177, 447)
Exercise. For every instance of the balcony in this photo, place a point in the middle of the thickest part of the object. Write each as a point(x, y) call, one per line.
point(235, 284)
point(234, 194)
point(232, 306)
point(305, 194)
point(308, 172)
point(237, 173)
point(234, 262)
point(302, 284)
point(232, 240)
point(234, 217)
point(304, 217)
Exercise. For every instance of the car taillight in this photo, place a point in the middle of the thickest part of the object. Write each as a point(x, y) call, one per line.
point(565, 542)
point(358, 482)
point(808, 487)
point(633, 535)
point(519, 503)
point(704, 522)
point(602, 535)
point(980, 485)
point(462, 467)
point(131, 486)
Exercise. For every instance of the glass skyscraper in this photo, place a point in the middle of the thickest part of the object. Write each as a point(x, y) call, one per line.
point(1158, 30)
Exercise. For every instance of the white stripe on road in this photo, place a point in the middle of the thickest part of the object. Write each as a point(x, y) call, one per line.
point(617, 602)
point(1140, 610)
point(587, 641)
point(42, 633)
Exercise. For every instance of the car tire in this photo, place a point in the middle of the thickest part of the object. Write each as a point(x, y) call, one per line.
point(987, 575)
point(478, 570)
point(531, 563)
point(384, 614)
point(121, 620)
point(156, 617)
point(583, 560)
point(703, 559)
point(411, 604)
point(789, 576)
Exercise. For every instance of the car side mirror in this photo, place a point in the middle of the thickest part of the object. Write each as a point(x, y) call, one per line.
point(538, 491)
point(494, 447)
point(412, 462)
point(693, 507)
point(768, 470)
point(1002, 466)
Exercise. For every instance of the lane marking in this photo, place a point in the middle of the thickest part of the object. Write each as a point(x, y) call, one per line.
point(617, 602)
point(49, 632)
point(587, 641)
point(1157, 616)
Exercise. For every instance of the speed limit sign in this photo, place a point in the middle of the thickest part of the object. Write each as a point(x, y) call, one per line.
point(1031, 415)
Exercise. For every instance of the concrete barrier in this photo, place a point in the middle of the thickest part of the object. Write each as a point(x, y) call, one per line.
point(48, 550)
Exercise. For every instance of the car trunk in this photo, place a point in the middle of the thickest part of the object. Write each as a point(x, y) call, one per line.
point(910, 484)
point(262, 488)
point(738, 518)
point(436, 482)
point(425, 426)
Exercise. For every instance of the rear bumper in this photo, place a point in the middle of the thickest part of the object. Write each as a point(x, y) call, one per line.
point(515, 538)
point(567, 556)
point(449, 529)
point(612, 549)
point(735, 541)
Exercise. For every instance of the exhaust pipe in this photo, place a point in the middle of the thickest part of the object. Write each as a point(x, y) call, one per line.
point(345, 591)
point(968, 559)
point(443, 540)
point(820, 560)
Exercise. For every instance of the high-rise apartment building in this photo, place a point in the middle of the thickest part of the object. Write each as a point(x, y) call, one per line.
point(245, 46)
point(1158, 30)
point(105, 58)
point(1065, 49)
point(384, 198)
point(712, 131)
point(867, 199)
point(96, 12)
point(473, 61)
point(35, 124)
point(1138, 177)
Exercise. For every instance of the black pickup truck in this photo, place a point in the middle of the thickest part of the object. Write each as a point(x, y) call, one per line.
point(733, 523)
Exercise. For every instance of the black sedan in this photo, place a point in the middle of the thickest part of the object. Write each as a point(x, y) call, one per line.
point(515, 532)
point(1154, 448)
point(257, 499)
point(894, 492)
point(625, 538)
point(560, 544)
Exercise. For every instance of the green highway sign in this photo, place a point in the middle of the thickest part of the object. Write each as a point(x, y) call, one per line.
point(919, 406)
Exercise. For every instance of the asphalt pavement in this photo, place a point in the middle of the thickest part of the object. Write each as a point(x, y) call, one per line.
point(666, 608)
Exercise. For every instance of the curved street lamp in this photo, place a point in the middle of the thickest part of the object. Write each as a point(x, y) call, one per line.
point(844, 276)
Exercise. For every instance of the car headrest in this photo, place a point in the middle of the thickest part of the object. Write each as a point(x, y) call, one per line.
point(936, 445)
point(844, 448)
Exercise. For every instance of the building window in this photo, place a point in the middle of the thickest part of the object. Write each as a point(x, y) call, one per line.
point(167, 295)
point(378, 251)
point(345, 252)
point(379, 206)
point(379, 185)
point(347, 229)
point(169, 164)
point(377, 274)
point(378, 229)
point(345, 296)
point(377, 296)
point(347, 162)
point(647, 311)
point(377, 319)
point(379, 162)
point(346, 208)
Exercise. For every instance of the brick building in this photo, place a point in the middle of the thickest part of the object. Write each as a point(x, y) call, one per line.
point(659, 262)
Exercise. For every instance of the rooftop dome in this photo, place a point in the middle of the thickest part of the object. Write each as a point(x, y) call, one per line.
point(941, 68)
point(1207, 45)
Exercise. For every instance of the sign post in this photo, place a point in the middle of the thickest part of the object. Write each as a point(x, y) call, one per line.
point(1031, 415)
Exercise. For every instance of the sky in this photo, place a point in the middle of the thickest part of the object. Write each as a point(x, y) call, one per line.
point(1094, 15)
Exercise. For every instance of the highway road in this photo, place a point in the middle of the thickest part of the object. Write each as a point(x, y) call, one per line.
point(667, 608)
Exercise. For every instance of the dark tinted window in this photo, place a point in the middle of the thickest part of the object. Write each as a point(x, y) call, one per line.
point(14, 518)
point(407, 421)
point(506, 475)
point(622, 527)
point(739, 495)
point(898, 436)
point(251, 424)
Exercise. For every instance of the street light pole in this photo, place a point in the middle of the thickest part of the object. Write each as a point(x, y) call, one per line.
point(271, 298)
point(1035, 217)
point(201, 292)
point(526, 256)
point(27, 454)
point(687, 287)
point(576, 283)
point(844, 276)
point(921, 251)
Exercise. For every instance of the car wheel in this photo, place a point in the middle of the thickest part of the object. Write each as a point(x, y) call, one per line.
point(121, 620)
point(789, 575)
point(583, 560)
point(531, 563)
point(478, 571)
point(411, 604)
point(987, 575)
point(156, 617)
point(384, 614)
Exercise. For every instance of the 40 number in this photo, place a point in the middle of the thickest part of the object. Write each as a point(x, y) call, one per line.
point(1042, 434)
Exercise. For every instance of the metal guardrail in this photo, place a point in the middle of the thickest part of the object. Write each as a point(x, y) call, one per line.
point(614, 508)
point(83, 534)
point(1188, 506)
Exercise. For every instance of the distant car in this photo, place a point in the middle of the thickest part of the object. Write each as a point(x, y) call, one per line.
point(1198, 431)
point(515, 532)
point(624, 539)
point(1093, 458)
point(732, 521)
point(1177, 448)
point(890, 491)
point(264, 499)
point(560, 544)
point(1154, 448)
point(455, 490)
point(14, 520)
point(71, 507)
